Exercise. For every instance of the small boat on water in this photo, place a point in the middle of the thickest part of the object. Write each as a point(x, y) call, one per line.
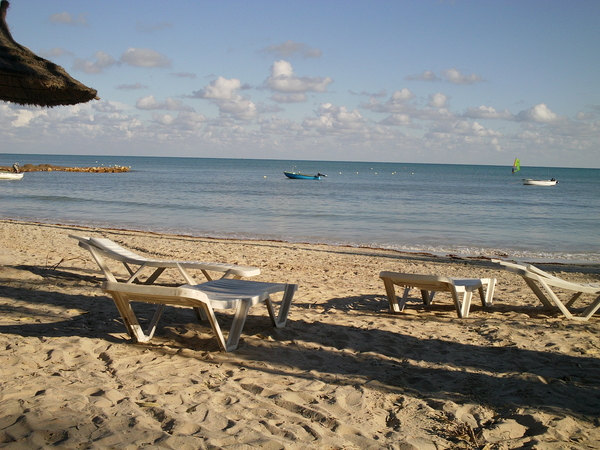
point(530, 182)
point(302, 176)
point(11, 176)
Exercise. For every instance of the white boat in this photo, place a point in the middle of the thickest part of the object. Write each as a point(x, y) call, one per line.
point(530, 182)
point(10, 176)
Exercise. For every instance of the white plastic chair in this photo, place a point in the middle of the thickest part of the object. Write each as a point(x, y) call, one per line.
point(225, 293)
point(430, 284)
point(540, 281)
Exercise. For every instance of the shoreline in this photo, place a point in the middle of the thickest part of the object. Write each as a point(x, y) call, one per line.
point(452, 256)
point(344, 373)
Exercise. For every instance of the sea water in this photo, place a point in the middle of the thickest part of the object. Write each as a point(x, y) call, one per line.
point(437, 208)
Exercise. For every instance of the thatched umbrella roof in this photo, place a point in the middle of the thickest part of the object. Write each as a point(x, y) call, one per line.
point(27, 79)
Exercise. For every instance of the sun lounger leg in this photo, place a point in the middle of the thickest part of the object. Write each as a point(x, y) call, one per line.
point(226, 275)
point(482, 296)
point(573, 299)
point(154, 322)
point(186, 276)
point(391, 295)
point(490, 285)
point(241, 313)
point(457, 302)
point(284, 309)
point(538, 292)
point(400, 306)
point(155, 275)
point(105, 269)
point(216, 328)
point(129, 269)
point(462, 308)
point(556, 300)
point(200, 314)
point(590, 310)
point(466, 304)
point(135, 275)
point(129, 320)
point(427, 297)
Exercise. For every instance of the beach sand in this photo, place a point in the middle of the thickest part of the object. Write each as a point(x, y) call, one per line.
point(344, 373)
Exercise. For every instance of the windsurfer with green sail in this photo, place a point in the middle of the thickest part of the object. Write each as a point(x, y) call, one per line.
point(516, 165)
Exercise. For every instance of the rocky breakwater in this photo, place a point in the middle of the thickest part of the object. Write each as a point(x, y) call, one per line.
point(51, 168)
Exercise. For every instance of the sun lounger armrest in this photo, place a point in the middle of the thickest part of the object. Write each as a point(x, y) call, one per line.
point(228, 269)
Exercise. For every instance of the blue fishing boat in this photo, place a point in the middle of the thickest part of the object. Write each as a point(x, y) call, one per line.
point(302, 176)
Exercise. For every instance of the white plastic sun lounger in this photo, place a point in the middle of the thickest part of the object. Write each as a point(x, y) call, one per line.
point(217, 294)
point(534, 276)
point(101, 247)
point(224, 293)
point(430, 284)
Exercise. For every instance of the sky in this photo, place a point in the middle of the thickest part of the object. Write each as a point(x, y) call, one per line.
point(427, 81)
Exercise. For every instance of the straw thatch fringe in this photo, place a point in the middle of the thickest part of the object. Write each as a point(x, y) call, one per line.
point(28, 79)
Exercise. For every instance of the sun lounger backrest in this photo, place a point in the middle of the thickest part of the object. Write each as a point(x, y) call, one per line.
point(105, 248)
point(97, 254)
point(115, 251)
point(528, 271)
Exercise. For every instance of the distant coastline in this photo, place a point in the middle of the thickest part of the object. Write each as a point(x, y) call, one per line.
point(51, 168)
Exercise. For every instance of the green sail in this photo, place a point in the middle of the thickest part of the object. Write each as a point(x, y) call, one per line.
point(516, 165)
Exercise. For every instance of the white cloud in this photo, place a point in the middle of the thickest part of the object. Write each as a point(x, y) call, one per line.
point(240, 108)
point(438, 100)
point(454, 76)
point(103, 60)
point(149, 103)
point(466, 128)
point(131, 87)
point(538, 113)
point(397, 104)
point(402, 96)
point(428, 75)
point(144, 57)
point(585, 116)
point(434, 114)
point(288, 98)
point(336, 119)
point(277, 125)
point(397, 119)
point(163, 119)
point(220, 89)
point(190, 75)
point(291, 48)
point(283, 80)
point(528, 135)
point(381, 93)
point(223, 92)
point(68, 19)
point(487, 112)
point(107, 107)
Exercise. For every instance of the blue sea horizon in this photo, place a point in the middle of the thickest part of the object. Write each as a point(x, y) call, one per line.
point(465, 210)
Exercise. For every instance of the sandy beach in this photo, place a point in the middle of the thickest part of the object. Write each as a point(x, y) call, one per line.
point(345, 373)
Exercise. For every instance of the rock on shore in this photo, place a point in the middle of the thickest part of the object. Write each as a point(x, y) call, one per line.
point(50, 168)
